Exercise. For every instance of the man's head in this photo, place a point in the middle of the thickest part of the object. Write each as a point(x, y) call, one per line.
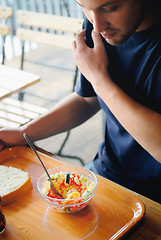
point(116, 20)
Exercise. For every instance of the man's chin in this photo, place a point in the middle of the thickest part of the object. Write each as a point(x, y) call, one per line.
point(116, 42)
point(112, 42)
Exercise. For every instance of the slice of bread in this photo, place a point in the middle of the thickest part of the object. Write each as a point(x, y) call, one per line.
point(14, 183)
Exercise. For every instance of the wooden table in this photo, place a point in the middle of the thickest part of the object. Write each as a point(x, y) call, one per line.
point(106, 217)
point(13, 80)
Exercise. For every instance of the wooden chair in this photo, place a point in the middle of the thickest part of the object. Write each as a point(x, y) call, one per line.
point(14, 113)
point(52, 30)
point(5, 13)
point(59, 30)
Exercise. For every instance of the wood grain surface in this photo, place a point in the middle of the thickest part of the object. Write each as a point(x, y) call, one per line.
point(114, 211)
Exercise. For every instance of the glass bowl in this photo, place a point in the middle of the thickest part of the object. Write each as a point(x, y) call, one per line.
point(69, 205)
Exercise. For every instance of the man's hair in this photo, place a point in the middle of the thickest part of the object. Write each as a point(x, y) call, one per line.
point(153, 5)
point(156, 2)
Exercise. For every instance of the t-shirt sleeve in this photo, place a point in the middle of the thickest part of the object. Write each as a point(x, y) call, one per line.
point(83, 86)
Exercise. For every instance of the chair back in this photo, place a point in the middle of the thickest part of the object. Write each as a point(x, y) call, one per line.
point(37, 27)
point(5, 13)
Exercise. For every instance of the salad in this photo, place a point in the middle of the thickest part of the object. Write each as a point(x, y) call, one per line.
point(73, 187)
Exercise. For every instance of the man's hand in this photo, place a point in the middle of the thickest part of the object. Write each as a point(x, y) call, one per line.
point(10, 137)
point(92, 62)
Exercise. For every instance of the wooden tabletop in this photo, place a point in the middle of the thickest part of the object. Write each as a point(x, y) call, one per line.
point(114, 212)
point(13, 80)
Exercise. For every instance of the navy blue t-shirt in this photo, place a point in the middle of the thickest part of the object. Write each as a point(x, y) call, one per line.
point(135, 67)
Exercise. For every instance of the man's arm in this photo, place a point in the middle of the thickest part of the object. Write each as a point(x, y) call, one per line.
point(142, 123)
point(67, 114)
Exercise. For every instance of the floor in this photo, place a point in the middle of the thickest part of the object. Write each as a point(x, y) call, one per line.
point(56, 82)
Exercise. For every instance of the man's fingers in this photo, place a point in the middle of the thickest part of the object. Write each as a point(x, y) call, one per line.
point(96, 38)
point(74, 45)
point(80, 39)
point(79, 44)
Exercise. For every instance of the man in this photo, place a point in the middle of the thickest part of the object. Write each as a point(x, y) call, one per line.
point(119, 56)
